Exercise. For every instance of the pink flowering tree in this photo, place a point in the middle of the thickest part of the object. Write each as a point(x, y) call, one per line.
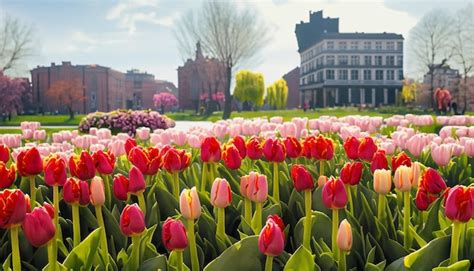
point(165, 100)
point(14, 93)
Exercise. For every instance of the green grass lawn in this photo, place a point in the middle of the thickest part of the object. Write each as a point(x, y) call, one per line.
point(18, 130)
point(45, 120)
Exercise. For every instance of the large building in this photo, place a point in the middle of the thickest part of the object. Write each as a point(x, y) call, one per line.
point(199, 77)
point(347, 68)
point(103, 88)
point(292, 79)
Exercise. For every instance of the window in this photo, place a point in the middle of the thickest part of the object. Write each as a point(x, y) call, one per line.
point(320, 76)
point(367, 60)
point(342, 45)
point(137, 84)
point(399, 60)
point(355, 60)
point(400, 74)
point(354, 75)
point(390, 61)
point(367, 74)
point(390, 45)
point(342, 74)
point(400, 45)
point(329, 74)
point(330, 60)
point(378, 74)
point(354, 45)
point(378, 45)
point(390, 75)
point(342, 60)
point(330, 45)
point(367, 45)
point(378, 60)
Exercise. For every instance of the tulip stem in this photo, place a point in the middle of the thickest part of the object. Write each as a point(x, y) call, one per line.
point(381, 206)
point(103, 234)
point(76, 225)
point(321, 168)
point(51, 257)
point(221, 223)
point(269, 263)
point(141, 202)
point(108, 194)
point(276, 185)
point(258, 217)
point(175, 185)
point(335, 225)
point(179, 255)
point(248, 210)
point(456, 232)
point(135, 259)
point(33, 190)
point(406, 220)
point(192, 245)
point(204, 177)
point(349, 197)
point(54, 243)
point(342, 261)
point(16, 261)
point(307, 221)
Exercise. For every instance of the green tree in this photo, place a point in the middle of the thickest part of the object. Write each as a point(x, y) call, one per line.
point(277, 94)
point(249, 88)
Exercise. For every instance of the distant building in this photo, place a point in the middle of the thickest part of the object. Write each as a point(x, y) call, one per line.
point(292, 79)
point(105, 89)
point(347, 68)
point(199, 77)
point(443, 77)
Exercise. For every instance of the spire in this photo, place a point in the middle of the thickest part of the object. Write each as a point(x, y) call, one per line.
point(199, 54)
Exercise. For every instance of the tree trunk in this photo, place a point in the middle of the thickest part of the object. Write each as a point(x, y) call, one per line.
point(465, 93)
point(228, 97)
point(71, 112)
point(433, 101)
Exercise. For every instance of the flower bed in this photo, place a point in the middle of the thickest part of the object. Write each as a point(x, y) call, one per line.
point(125, 121)
point(262, 194)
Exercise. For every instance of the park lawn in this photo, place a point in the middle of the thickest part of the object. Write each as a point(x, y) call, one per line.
point(49, 131)
point(47, 120)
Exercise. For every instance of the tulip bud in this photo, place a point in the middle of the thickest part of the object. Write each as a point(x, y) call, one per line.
point(29, 162)
point(132, 220)
point(13, 207)
point(38, 227)
point(322, 180)
point(244, 185)
point(324, 148)
point(416, 171)
point(239, 143)
point(334, 194)
point(148, 160)
point(433, 182)
point(174, 235)
point(382, 181)
point(379, 161)
point(76, 192)
point(302, 179)
point(254, 148)
point(175, 161)
point(97, 191)
point(82, 166)
point(367, 148)
point(210, 150)
point(399, 160)
point(423, 199)
point(55, 171)
point(221, 195)
point(351, 146)
point(274, 150)
point(136, 181)
point(104, 162)
point(344, 236)
point(7, 176)
point(120, 187)
point(459, 204)
point(271, 240)
point(189, 204)
point(4, 153)
point(258, 187)
point(231, 157)
point(293, 147)
point(402, 178)
point(351, 173)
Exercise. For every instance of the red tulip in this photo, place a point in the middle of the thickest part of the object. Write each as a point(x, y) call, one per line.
point(29, 162)
point(401, 159)
point(120, 187)
point(76, 192)
point(351, 146)
point(334, 194)
point(379, 161)
point(271, 240)
point(82, 166)
point(49, 208)
point(254, 148)
point(13, 207)
point(239, 143)
point(132, 220)
point(7, 176)
point(104, 162)
point(302, 179)
point(367, 148)
point(231, 157)
point(176, 160)
point(148, 160)
point(293, 147)
point(38, 226)
point(174, 235)
point(55, 171)
point(4, 153)
point(351, 173)
point(274, 150)
point(210, 150)
point(423, 199)
point(130, 143)
point(460, 204)
point(319, 148)
point(136, 181)
point(433, 182)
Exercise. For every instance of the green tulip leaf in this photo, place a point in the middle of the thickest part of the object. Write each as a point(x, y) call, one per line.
point(82, 256)
point(459, 266)
point(301, 260)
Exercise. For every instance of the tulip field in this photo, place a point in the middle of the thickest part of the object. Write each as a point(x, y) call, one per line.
point(348, 193)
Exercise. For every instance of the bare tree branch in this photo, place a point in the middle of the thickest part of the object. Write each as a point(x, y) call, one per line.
point(16, 43)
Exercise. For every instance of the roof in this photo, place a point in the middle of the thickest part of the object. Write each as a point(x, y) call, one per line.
point(361, 35)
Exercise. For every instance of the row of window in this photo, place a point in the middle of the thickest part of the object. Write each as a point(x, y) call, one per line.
point(354, 60)
point(353, 45)
point(343, 74)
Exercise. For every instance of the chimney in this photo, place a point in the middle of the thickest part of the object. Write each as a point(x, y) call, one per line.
point(66, 63)
point(53, 64)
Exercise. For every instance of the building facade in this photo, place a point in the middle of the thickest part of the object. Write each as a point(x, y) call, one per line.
point(339, 69)
point(103, 88)
point(443, 77)
point(292, 79)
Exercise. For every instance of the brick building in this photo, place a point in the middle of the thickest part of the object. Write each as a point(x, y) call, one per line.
point(104, 89)
point(200, 76)
point(292, 79)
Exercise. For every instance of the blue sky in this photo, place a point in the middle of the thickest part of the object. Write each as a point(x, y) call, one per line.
point(139, 34)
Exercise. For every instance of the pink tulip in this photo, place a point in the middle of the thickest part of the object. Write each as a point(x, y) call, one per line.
point(189, 203)
point(257, 190)
point(221, 195)
point(143, 133)
point(415, 145)
point(179, 138)
point(97, 196)
point(441, 154)
point(132, 220)
point(469, 147)
point(39, 135)
point(38, 226)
